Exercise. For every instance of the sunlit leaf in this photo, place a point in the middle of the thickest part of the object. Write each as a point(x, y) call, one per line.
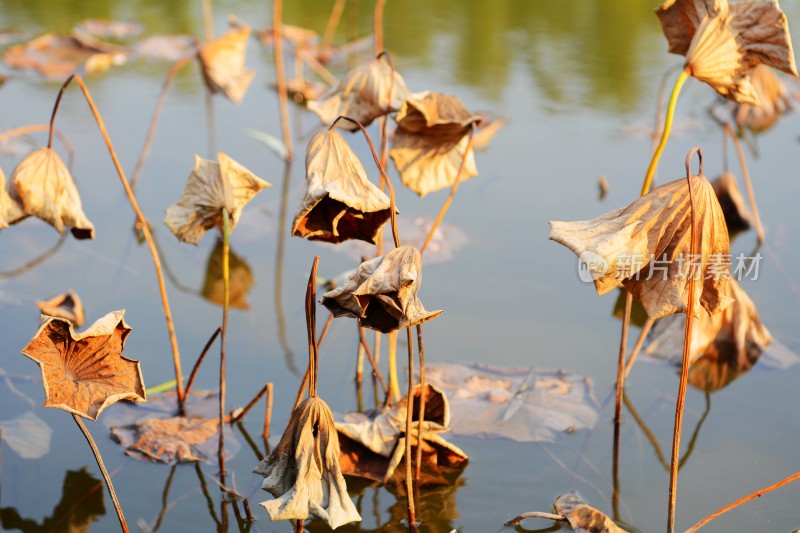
point(303, 473)
point(67, 306)
point(526, 405)
point(57, 56)
point(27, 435)
point(723, 42)
point(339, 202)
point(85, 373)
point(44, 188)
point(774, 101)
point(618, 248)
point(382, 293)
point(583, 518)
point(210, 188)
point(222, 62)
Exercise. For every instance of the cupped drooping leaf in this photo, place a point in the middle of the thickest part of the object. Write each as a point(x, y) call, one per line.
point(303, 472)
point(646, 248)
point(27, 434)
point(363, 95)
point(44, 188)
point(774, 100)
point(85, 373)
point(339, 201)
point(67, 306)
point(210, 188)
point(240, 279)
point(737, 215)
point(723, 42)
point(10, 210)
point(382, 292)
point(584, 518)
point(222, 63)
point(431, 142)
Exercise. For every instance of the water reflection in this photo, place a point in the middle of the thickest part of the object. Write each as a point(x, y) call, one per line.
point(241, 279)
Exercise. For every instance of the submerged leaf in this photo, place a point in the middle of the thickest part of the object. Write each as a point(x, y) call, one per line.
point(67, 306)
point(210, 188)
point(303, 473)
point(382, 292)
point(27, 434)
point(222, 62)
point(363, 95)
point(774, 100)
point(723, 42)
point(339, 201)
point(44, 188)
point(584, 518)
point(646, 248)
point(85, 373)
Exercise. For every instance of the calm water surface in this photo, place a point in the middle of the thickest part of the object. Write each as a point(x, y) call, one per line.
point(579, 82)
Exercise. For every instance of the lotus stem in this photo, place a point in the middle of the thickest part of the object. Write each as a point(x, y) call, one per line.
point(283, 98)
point(278, 282)
point(123, 524)
point(304, 382)
point(246, 409)
point(333, 23)
point(638, 346)
point(648, 433)
point(375, 370)
point(151, 132)
point(623, 344)
point(208, 19)
point(746, 176)
point(200, 360)
point(226, 295)
point(409, 416)
point(453, 189)
point(378, 25)
point(753, 495)
point(687, 339)
point(422, 396)
point(33, 128)
point(535, 514)
point(359, 359)
point(267, 414)
point(394, 382)
point(311, 327)
point(210, 124)
point(615, 470)
point(318, 68)
point(142, 220)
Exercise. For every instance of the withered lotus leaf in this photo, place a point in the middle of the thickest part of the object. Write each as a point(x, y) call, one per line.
point(723, 42)
point(339, 201)
point(222, 63)
point(431, 142)
point(240, 279)
point(67, 306)
point(737, 214)
point(210, 188)
point(774, 100)
point(646, 248)
point(85, 373)
point(382, 292)
point(363, 95)
point(303, 473)
point(44, 188)
point(167, 440)
point(10, 210)
point(584, 518)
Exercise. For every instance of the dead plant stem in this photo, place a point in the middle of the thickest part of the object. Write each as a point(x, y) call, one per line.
point(748, 184)
point(409, 422)
point(623, 344)
point(283, 99)
point(422, 396)
point(226, 296)
point(33, 128)
point(199, 361)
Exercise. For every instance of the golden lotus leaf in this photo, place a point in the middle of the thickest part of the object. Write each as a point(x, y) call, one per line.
point(222, 63)
point(10, 210)
point(363, 95)
point(774, 101)
point(210, 188)
point(303, 473)
point(724, 41)
point(44, 188)
point(382, 292)
point(67, 306)
point(436, 114)
point(584, 518)
point(339, 201)
point(83, 373)
point(618, 248)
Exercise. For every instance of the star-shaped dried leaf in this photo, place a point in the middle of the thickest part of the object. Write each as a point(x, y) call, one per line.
point(619, 247)
point(240, 279)
point(737, 215)
point(222, 63)
point(303, 472)
point(210, 188)
point(44, 188)
point(584, 518)
point(723, 42)
point(774, 99)
point(67, 306)
point(339, 201)
point(363, 95)
point(10, 210)
point(85, 373)
point(382, 292)
point(178, 439)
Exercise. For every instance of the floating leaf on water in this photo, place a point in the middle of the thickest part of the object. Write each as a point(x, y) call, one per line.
point(723, 42)
point(618, 247)
point(110, 29)
point(210, 188)
point(303, 473)
point(27, 435)
point(363, 95)
point(482, 397)
point(339, 202)
point(734, 208)
point(166, 47)
point(774, 100)
point(382, 294)
point(240, 279)
point(57, 56)
point(584, 518)
point(67, 305)
point(43, 186)
point(222, 63)
point(85, 373)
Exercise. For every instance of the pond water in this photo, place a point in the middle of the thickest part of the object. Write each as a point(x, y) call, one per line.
point(578, 82)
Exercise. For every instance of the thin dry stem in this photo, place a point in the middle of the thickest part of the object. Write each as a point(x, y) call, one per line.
point(359, 359)
point(409, 415)
point(199, 361)
point(623, 345)
point(378, 25)
point(421, 349)
point(375, 370)
point(318, 68)
point(311, 328)
point(226, 295)
point(250, 404)
point(208, 19)
point(267, 413)
point(304, 382)
point(748, 184)
point(333, 23)
point(638, 347)
point(34, 128)
point(283, 97)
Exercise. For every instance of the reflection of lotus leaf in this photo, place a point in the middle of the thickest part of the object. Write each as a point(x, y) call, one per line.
point(241, 279)
point(27, 434)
